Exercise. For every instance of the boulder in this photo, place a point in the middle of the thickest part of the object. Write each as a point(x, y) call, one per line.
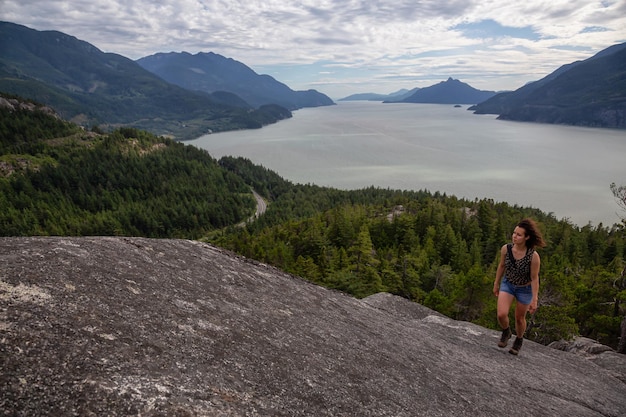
point(602, 355)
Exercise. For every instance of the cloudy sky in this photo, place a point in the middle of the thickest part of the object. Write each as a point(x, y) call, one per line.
point(342, 47)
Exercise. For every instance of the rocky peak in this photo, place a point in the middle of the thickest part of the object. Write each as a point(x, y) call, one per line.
point(131, 326)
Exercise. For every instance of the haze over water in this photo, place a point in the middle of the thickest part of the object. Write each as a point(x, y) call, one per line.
point(562, 170)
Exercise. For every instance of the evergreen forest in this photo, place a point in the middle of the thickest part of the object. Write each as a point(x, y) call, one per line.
point(434, 249)
point(57, 179)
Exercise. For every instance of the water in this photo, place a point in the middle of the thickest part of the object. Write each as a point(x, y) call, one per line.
point(562, 170)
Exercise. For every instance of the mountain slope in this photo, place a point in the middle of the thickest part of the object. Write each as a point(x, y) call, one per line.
point(397, 96)
point(210, 72)
point(56, 178)
point(450, 91)
point(586, 93)
point(132, 326)
point(90, 87)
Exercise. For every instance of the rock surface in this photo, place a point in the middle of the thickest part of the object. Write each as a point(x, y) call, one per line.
point(132, 326)
point(602, 355)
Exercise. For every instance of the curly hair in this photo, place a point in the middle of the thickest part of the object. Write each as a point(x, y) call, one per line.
point(532, 230)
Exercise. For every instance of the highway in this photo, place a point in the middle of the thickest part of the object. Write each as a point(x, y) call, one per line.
point(261, 206)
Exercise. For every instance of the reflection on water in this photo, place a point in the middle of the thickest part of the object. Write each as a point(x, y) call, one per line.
point(560, 169)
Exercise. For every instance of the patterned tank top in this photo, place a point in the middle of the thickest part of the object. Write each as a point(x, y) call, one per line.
point(517, 271)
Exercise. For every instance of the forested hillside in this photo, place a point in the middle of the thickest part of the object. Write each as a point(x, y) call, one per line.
point(93, 88)
point(435, 249)
point(438, 250)
point(56, 179)
point(585, 93)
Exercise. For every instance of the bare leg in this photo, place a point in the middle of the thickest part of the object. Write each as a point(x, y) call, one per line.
point(505, 300)
point(520, 318)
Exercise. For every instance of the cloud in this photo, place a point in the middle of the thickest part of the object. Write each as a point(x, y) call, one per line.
point(379, 45)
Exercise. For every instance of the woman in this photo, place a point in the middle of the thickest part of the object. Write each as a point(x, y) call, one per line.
point(517, 278)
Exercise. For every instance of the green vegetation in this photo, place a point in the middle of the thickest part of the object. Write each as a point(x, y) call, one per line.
point(128, 182)
point(90, 87)
point(434, 249)
point(438, 250)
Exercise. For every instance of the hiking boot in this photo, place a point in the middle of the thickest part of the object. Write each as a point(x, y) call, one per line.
point(504, 339)
point(517, 345)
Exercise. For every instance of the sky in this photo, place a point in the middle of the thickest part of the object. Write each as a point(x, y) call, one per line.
point(344, 47)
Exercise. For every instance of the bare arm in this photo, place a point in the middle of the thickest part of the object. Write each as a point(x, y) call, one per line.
point(499, 271)
point(534, 281)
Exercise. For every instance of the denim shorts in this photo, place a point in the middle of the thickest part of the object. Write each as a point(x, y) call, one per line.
point(523, 294)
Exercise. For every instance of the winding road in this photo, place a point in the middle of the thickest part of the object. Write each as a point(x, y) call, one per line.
point(261, 206)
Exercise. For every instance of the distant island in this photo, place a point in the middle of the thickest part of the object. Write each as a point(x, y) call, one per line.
point(450, 91)
point(398, 95)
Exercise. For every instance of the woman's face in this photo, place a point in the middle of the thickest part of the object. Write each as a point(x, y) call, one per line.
point(519, 236)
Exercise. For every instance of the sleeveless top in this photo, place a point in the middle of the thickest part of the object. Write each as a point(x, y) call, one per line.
point(517, 271)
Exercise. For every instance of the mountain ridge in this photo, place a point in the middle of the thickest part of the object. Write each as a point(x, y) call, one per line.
point(210, 72)
point(588, 93)
point(451, 91)
point(90, 87)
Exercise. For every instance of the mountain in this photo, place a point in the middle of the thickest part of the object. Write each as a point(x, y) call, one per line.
point(398, 95)
point(90, 87)
point(126, 326)
point(584, 93)
point(210, 72)
point(365, 97)
point(450, 91)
